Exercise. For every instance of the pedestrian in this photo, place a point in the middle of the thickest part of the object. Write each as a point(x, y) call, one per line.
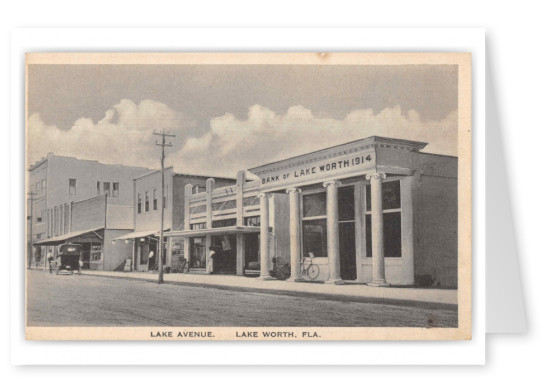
point(50, 258)
point(210, 260)
point(151, 259)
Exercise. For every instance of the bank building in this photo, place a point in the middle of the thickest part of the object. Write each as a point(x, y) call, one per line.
point(378, 211)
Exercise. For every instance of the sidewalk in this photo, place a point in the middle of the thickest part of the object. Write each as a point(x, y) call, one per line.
point(444, 298)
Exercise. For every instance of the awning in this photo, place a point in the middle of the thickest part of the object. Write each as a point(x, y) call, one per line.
point(215, 231)
point(140, 234)
point(62, 238)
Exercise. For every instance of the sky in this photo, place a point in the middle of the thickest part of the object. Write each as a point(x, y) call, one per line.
point(232, 117)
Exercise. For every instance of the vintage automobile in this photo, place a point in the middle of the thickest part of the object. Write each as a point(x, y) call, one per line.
point(69, 258)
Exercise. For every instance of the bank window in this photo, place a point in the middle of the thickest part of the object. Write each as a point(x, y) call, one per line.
point(314, 204)
point(147, 201)
point(72, 186)
point(98, 187)
point(154, 199)
point(314, 224)
point(107, 188)
point(139, 203)
point(116, 189)
point(392, 220)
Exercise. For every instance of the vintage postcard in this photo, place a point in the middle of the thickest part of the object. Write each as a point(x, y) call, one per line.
point(248, 196)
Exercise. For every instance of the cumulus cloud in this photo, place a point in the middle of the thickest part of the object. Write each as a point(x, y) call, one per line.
point(232, 144)
point(122, 136)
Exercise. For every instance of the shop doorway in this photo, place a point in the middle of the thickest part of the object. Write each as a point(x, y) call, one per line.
point(225, 259)
point(86, 255)
point(347, 233)
point(252, 254)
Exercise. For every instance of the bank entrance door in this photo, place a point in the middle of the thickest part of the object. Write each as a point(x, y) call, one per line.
point(347, 233)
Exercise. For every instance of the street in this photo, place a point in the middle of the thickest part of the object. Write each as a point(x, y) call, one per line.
point(73, 300)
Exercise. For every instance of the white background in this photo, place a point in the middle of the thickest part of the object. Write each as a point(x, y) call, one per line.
point(517, 44)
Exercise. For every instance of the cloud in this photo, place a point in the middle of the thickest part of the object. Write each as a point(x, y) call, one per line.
point(232, 144)
point(122, 136)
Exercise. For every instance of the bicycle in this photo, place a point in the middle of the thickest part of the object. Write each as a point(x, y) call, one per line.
point(183, 265)
point(312, 270)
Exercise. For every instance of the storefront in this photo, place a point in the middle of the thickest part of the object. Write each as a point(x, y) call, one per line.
point(92, 242)
point(145, 247)
point(367, 211)
point(222, 224)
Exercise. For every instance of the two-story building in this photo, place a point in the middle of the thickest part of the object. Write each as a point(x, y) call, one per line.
point(147, 204)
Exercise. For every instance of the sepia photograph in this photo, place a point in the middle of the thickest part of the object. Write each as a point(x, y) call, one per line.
point(248, 196)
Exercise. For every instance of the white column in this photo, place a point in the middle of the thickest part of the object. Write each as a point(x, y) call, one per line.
point(294, 233)
point(333, 250)
point(408, 276)
point(377, 233)
point(240, 254)
point(264, 238)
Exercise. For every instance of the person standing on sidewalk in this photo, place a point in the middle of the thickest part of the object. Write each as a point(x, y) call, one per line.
point(50, 258)
point(210, 260)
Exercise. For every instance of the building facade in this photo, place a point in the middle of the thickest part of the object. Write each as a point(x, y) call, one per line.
point(229, 221)
point(375, 210)
point(95, 223)
point(147, 204)
point(56, 183)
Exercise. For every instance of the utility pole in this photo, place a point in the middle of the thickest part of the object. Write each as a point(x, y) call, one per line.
point(30, 261)
point(164, 134)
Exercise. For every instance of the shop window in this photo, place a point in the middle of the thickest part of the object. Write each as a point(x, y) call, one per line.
point(198, 226)
point(116, 189)
point(252, 221)
point(224, 223)
point(197, 252)
point(139, 203)
point(314, 237)
point(314, 204)
point(72, 186)
point(154, 199)
point(147, 201)
point(107, 188)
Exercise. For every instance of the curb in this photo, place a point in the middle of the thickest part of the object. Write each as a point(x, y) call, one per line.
point(316, 295)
